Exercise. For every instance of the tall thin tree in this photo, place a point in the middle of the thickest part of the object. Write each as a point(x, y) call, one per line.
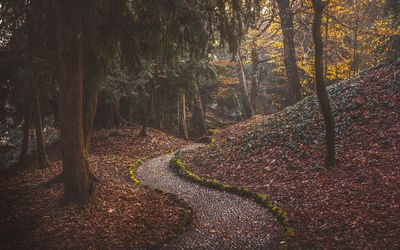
point(289, 49)
point(36, 43)
point(318, 6)
point(247, 109)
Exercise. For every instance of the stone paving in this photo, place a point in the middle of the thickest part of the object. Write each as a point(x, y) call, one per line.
point(221, 220)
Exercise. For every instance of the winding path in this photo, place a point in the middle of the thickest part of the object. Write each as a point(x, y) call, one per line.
point(221, 220)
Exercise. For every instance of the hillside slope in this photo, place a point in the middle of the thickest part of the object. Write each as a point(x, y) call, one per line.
point(353, 205)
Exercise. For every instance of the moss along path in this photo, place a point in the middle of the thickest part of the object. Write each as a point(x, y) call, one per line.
point(220, 220)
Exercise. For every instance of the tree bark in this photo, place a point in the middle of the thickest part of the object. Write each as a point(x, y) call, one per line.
point(78, 186)
point(155, 108)
point(336, 54)
point(92, 76)
point(27, 125)
point(286, 17)
point(36, 49)
point(355, 39)
point(326, 47)
point(41, 152)
point(318, 6)
point(247, 110)
point(125, 105)
point(198, 113)
point(130, 109)
point(163, 108)
point(118, 120)
point(254, 80)
point(182, 123)
point(109, 115)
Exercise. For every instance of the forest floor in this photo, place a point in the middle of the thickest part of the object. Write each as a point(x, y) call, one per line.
point(352, 205)
point(124, 215)
point(221, 220)
point(355, 204)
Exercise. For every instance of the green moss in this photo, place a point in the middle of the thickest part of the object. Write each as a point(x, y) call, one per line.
point(212, 131)
point(186, 215)
point(262, 199)
point(132, 170)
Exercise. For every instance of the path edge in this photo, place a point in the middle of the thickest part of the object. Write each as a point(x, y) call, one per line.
point(186, 216)
point(262, 199)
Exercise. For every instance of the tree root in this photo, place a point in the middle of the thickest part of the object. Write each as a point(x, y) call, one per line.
point(60, 179)
point(56, 180)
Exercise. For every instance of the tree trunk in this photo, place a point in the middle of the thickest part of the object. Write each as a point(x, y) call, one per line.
point(130, 109)
point(158, 109)
point(92, 76)
point(336, 55)
point(163, 107)
point(155, 108)
point(125, 105)
point(286, 17)
point(101, 116)
point(198, 113)
point(247, 110)
point(109, 115)
point(116, 115)
point(326, 47)
point(26, 128)
point(41, 152)
point(33, 21)
point(318, 6)
point(254, 80)
point(355, 50)
point(144, 103)
point(78, 186)
point(183, 132)
point(36, 49)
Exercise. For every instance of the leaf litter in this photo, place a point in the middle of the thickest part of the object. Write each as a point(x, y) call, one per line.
point(355, 204)
point(125, 215)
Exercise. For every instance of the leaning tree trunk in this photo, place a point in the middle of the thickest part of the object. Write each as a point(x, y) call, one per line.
point(78, 186)
point(248, 111)
point(27, 125)
point(198, 113)
point(318, 6)
point(286, 16)
point(182, 123)
point(41, 152)
point(254, 81)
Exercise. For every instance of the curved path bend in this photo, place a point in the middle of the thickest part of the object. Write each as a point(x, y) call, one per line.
point(221, 220)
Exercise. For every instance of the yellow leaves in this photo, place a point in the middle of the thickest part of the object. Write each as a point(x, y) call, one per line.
point(228, 80)
point(252, 32)
point(277, 44)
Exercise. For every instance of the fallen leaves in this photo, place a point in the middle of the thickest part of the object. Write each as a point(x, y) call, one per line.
point(354, 204)
point(125, 216)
